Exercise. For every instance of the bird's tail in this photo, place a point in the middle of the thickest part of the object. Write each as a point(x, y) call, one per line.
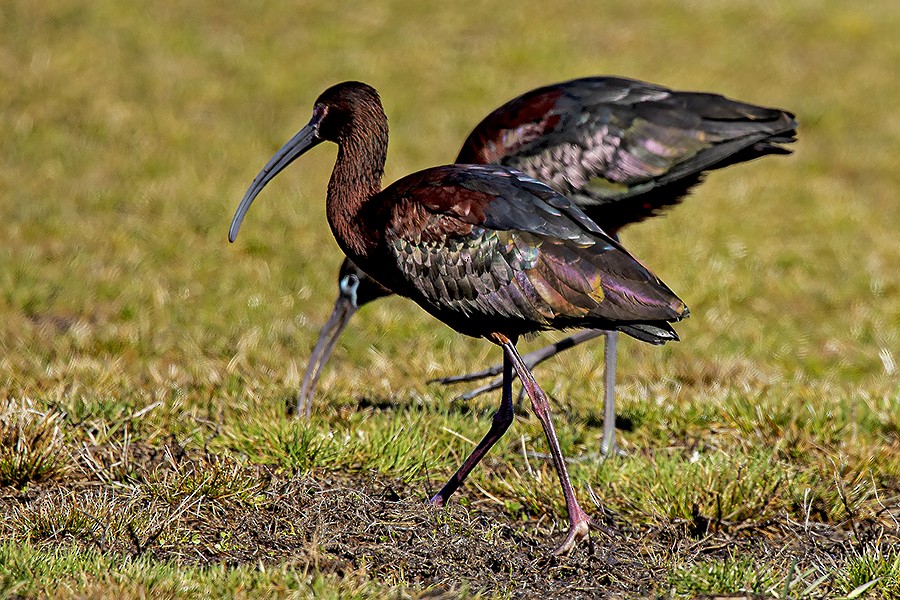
point(656, 333)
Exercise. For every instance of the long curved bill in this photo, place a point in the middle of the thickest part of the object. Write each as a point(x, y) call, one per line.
point(328, 337)
point(302, 141)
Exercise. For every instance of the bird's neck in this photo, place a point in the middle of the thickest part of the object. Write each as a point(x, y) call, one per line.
point(355, 180)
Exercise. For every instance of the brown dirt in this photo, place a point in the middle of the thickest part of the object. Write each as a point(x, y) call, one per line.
point(341, 523)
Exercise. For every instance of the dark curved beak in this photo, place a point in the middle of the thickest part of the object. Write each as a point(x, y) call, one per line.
point(304, 139)
point(328, 337)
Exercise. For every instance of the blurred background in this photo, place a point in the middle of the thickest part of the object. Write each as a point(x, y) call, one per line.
point(131, 130)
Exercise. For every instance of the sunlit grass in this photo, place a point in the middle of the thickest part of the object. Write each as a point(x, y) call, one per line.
point(874, 572)
point(23, 568)
point(31, 449)
point(731, 576)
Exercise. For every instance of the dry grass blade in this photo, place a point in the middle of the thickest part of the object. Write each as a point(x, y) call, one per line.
point(31, 449)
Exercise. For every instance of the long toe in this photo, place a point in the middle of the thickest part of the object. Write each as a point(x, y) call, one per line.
point(577, 532)
point(608, 531)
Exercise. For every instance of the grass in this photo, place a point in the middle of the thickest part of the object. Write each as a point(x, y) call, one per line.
point(30, 446)
point(98, 576)
point(146, 366)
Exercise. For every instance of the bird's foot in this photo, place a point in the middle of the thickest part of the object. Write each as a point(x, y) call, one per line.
point(304, 407)
point(437, 501)
point(579, 529)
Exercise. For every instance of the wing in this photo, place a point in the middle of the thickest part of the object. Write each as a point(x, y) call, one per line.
point(486, 243)
point(624, 149)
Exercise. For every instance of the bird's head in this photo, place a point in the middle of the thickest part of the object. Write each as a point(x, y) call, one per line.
point(340, 110)
point(343, 112)
point(357, 287)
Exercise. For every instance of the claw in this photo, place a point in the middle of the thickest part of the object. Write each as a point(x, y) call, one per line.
point(579, 529)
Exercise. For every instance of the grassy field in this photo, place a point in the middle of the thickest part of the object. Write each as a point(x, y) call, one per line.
point(147, 366)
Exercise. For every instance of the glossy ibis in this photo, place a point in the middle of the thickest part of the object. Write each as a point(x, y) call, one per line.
point(621, 149)
point(486, 249)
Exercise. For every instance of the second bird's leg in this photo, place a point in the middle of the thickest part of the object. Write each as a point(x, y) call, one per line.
point(579, 521)
point(503, 418)
point(608, 442)
point(531, 360)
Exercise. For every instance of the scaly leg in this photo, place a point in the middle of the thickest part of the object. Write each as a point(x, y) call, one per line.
point(531, 360)
point(503, 418)
point(579, 521)
point(608, 442)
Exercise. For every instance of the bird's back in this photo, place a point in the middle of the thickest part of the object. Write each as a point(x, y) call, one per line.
point(624, 149)
point(486, 248)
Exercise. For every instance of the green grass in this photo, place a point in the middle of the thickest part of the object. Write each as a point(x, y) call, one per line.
point(30, 446)
point(95, 575)
point(869, 574)
point(727, 576)
point(146, 365)
point(873, 569)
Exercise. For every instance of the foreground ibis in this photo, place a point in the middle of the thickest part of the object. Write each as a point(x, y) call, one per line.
point(621, 149)
point(486, 249)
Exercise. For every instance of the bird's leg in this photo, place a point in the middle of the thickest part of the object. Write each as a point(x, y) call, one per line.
point(489, 372)
point(579, 521)
point(608, 442)
point(488, 387)
point(531, 360)
point(503, 418)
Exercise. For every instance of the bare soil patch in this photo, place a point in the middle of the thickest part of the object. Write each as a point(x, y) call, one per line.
point(351, 523)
